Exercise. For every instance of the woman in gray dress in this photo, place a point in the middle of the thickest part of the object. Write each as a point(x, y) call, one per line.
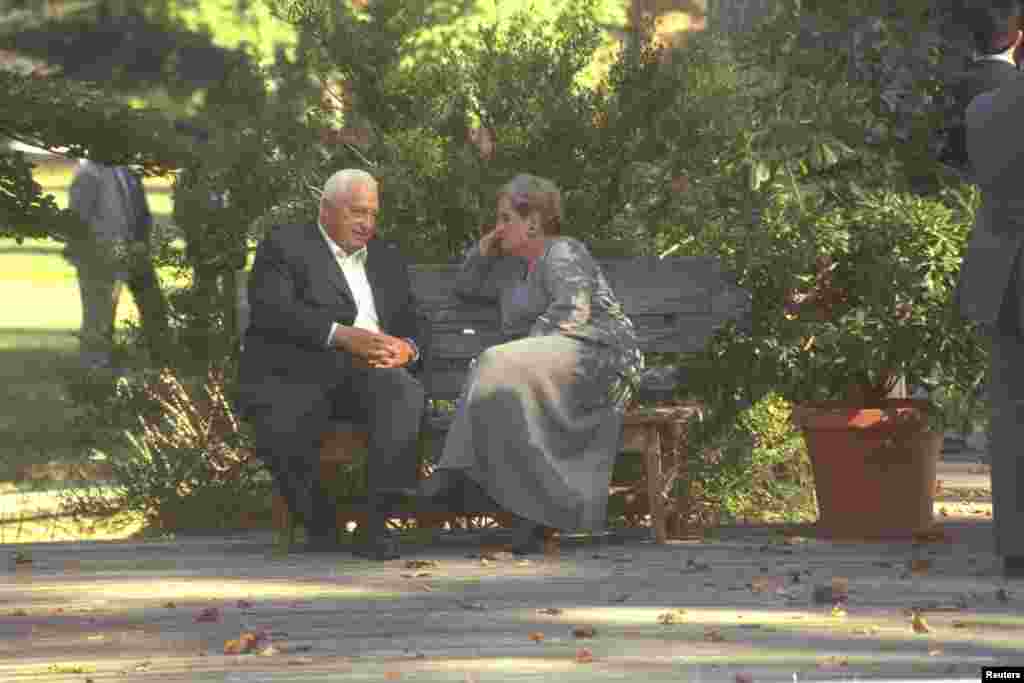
point(538, 424)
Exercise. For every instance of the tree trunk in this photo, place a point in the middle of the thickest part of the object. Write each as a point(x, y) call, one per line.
point(736, 16)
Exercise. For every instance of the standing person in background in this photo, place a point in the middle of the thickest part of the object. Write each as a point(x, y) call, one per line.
point(995, 30)
point(115, 250)
point(991, 294)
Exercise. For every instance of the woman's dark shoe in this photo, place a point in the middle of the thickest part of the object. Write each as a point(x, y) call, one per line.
point(374, 542)
point(1013, 566)
point(380, 548)
point(530, 538)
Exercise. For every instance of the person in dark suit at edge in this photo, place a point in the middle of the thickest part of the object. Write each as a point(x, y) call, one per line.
point(990, 293)
point(333, 324)
point(994, 26)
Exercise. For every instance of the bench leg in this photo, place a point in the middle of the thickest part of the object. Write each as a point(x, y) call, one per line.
point(672, 436)
point(655, 482)
point(283, 520)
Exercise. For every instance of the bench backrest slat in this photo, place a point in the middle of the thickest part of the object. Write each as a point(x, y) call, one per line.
point(676, 304)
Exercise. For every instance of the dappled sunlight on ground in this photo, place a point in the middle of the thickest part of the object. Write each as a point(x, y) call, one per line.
point(64, 529)
point(142, 591)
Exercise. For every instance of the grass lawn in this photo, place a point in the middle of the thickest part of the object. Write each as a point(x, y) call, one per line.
point(42, 313)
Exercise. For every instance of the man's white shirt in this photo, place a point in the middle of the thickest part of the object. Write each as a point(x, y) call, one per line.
point(353, 266)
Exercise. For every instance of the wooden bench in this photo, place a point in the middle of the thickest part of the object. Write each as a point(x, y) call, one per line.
point(676, 305)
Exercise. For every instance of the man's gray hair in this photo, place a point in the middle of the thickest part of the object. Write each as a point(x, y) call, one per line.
point(339, 184)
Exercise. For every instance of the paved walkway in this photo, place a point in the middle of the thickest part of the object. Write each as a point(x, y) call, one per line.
point(752, 604)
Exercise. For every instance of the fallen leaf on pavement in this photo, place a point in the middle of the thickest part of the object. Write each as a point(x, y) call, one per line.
point(762, 584)
point(208, 614)
point(536, 636)
point(920, 566)
point(553, 611)
point(585, 631)
point(838, 610)
point(667, 618)
point(834, 662)
point(169, 605)
point(19, 613)
point(420, 564)
point(584, 656)
point(713, 635)
point(243, 604)
point(484, 562)
point(247, 642)
point(918, 623)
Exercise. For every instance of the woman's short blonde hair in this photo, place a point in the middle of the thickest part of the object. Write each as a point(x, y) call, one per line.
point(529, 194)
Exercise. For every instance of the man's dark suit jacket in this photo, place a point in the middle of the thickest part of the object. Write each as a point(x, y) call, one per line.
point(980, 76)
point(296, 290)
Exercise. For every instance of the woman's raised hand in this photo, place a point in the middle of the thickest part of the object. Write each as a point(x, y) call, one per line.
point(490, 244)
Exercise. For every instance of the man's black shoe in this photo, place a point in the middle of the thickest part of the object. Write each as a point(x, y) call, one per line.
point(323, 544)
point(1013, 566)
point(380, 548)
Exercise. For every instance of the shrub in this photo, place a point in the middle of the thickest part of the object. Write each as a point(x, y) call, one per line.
point(184, 460)
point(754, 469)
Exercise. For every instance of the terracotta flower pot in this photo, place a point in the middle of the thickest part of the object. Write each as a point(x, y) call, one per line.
point(874, 469)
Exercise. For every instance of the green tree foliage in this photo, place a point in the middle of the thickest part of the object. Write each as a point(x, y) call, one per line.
point(521, 85)
point(54, 113)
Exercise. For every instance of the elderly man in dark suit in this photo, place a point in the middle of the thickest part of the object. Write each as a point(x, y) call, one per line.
point(995, 30)
point(333, 323)
point(991, 293)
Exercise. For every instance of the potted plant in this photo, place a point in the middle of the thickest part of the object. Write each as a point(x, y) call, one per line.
point(850, 296)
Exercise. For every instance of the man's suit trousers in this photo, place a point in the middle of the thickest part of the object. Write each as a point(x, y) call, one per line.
point(289, 424)
point(1006, 412)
